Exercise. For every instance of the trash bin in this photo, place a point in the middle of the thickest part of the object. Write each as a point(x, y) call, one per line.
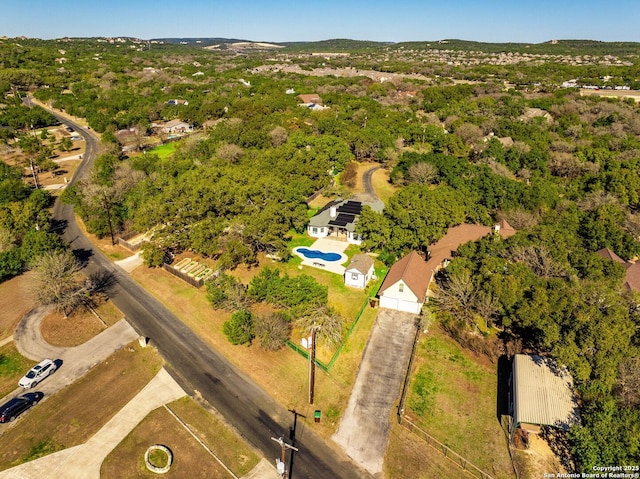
point(316, 415)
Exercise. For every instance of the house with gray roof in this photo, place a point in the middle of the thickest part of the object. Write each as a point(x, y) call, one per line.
point(337, 219)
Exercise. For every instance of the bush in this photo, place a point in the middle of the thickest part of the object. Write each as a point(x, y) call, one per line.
point(153, 255)
point(226, 292)
point(239, 329)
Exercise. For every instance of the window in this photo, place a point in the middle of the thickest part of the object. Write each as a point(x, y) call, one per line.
point(314, 230)
point(401, 287)
point(354, 276)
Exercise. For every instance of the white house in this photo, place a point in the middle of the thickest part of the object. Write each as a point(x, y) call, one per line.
point(338, 219)
point(177, 126)
point(405, 287)
point(359, 271)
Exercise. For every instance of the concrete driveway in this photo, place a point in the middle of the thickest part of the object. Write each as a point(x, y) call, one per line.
point(364, 429)
point(73, 362)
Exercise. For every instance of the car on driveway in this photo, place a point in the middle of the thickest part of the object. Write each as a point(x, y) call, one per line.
point(37, 373)
point(19, 404)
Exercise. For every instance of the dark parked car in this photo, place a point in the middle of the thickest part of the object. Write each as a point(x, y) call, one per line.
point(19, 404)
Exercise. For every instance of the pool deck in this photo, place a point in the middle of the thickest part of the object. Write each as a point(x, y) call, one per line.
point(327, 245)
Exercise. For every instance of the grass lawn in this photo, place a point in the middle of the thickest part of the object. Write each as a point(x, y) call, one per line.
point(190, 458)
point(73, 415)
point(164, 151)
point(80, 326)
point(409, 457)
point(13, 366)
point(272, 369)
point(380, 182)
point(16, 301)
point(453, 397)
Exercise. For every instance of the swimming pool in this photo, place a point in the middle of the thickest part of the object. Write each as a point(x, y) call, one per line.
point(317, 254)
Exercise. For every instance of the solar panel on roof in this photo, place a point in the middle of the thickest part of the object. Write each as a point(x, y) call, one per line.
point(342, 220)
point(352, 207)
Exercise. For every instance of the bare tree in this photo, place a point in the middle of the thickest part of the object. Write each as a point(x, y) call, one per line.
point(328, 324)
point(457, 294)
point(272, 331)
point(628, 386)
point(278, 136)
point(56, 283)
point(422, 173)
point(538, 259)
point(229, 152)
point(487, 306)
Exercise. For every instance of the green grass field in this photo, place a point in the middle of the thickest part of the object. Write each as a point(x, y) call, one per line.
point(164, 151)
point(453, 397)
point(12, 367)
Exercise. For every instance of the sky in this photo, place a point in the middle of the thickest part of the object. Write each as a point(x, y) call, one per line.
point(304, 20)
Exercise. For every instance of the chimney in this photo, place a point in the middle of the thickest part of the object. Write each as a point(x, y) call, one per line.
point(333, 212)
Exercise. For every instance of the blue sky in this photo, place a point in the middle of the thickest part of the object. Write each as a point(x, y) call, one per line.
point(305, 20)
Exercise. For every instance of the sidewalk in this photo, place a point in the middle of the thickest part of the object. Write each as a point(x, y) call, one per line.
point(84, 461)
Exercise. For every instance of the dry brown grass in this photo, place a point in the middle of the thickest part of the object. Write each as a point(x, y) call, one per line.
point(73, 415)
point(190, 459)
point(380, 182)
point(115, 252)
point(80, 326)
point(409, 457)
point(268, 369)
point(16, 302)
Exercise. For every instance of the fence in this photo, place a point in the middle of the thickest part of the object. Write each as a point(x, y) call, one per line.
point(198, 283)
point(327, 367)
point(445, 450)
point(133, 247)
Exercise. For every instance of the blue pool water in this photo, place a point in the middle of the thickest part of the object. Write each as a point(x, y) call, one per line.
point(316, 254)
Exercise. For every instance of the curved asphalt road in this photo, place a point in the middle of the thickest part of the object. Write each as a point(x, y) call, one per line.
point(197, 366)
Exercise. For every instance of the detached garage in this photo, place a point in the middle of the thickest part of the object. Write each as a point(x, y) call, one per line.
point(405, 287)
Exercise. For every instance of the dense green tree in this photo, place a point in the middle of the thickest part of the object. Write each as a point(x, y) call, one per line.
point(240, 328)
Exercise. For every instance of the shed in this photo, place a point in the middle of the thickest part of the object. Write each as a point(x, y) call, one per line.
point(359, 271)
point(542, 394)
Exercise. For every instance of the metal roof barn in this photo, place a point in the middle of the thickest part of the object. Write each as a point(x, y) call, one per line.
point(543, 393)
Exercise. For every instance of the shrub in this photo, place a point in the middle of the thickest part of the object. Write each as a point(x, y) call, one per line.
point(239, 329)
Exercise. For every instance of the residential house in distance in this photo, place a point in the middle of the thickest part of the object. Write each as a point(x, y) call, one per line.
point(177, 101)
point(311, 101)
point(175, 127)
point(359, 271)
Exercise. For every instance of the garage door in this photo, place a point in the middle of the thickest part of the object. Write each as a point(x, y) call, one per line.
point(409, 306)
point(389, 303)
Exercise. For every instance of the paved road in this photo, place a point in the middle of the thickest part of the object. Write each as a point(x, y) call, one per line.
point(197, 366)
point(369, 196)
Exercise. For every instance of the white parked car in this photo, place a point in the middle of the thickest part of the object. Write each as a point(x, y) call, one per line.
point(37, 373)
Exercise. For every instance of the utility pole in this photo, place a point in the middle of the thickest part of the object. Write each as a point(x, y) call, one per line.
point(280, 463)
point(312, 364)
